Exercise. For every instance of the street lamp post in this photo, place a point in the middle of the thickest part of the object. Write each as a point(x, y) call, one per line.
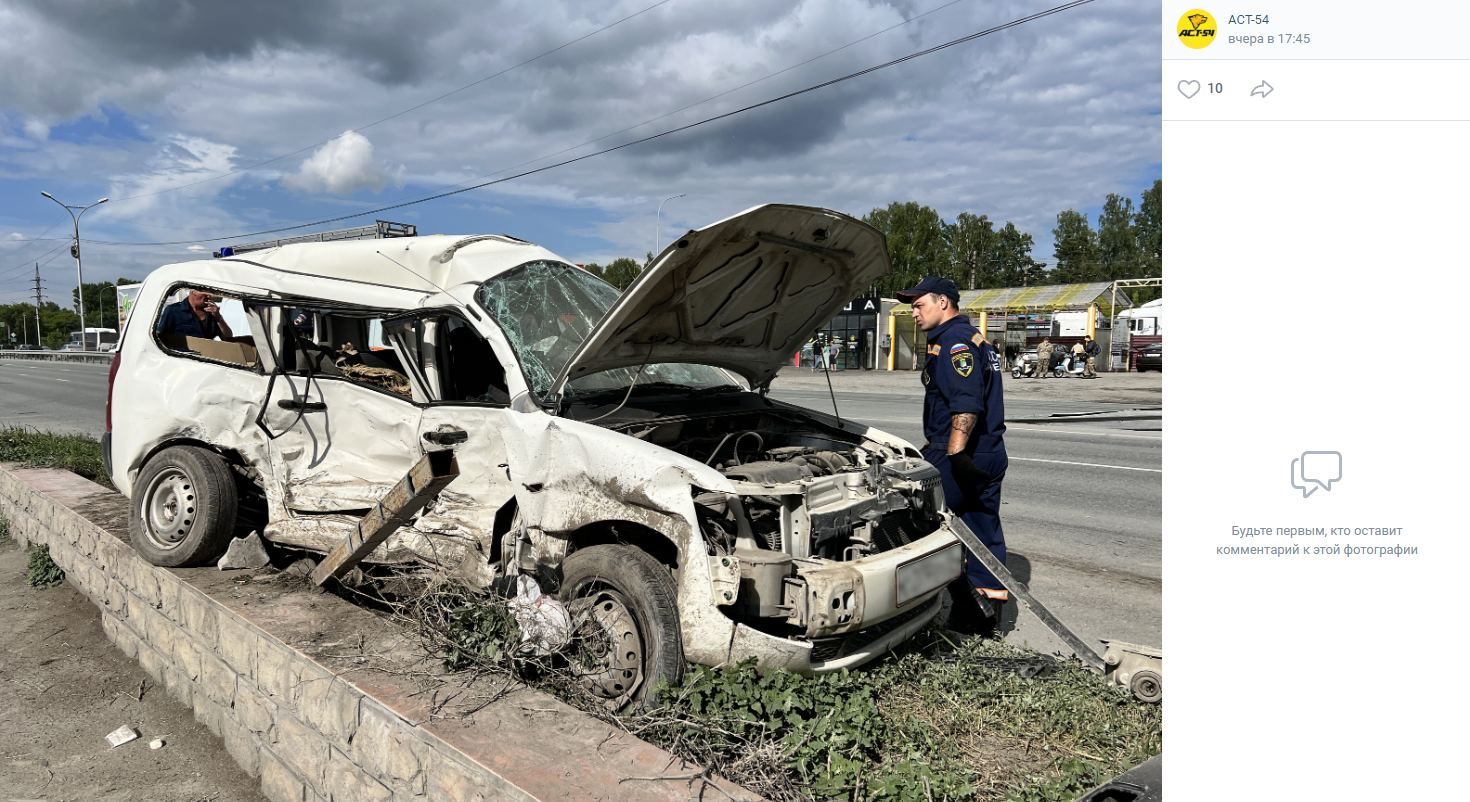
point(76, 213)
point(658, 218)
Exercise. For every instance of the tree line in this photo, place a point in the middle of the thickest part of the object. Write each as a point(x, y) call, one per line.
point(57, 324)
point(975, 252)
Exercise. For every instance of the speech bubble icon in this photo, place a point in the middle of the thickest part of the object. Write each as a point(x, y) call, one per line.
point(1322, 467)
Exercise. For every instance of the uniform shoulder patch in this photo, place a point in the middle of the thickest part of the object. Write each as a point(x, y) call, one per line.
point(963, 361)
point(977, 339)
point(958, 347)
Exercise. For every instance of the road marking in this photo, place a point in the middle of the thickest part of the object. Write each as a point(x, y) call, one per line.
point(1087, 464)
point(63, 380)
point(1011, 427)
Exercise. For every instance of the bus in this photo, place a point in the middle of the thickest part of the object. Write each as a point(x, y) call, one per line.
point(97, 340)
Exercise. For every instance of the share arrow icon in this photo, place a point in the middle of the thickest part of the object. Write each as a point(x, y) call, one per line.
point(1263, 90)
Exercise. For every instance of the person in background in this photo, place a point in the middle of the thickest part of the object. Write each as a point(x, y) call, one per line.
point(1043, 358)
point(195, 316)
point(1079, 351)
point(1092, 349)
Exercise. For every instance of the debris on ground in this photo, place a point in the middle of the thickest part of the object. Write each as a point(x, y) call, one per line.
point(122, 735)
point(546, 627)
point(156, 743)
point(302, 567)
point(245, 552)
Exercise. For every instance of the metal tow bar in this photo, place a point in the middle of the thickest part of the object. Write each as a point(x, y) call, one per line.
point(1140, 669)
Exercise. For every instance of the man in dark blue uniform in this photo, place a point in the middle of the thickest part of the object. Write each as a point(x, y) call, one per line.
point(195, 316)
point(964, 425)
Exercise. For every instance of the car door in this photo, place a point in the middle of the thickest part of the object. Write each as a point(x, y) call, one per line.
point(469, 405)
point(340, 439)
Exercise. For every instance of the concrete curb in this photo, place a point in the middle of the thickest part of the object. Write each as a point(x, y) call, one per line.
point(308, 691)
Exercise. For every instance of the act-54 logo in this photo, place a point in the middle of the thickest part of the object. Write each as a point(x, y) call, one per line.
point(1197, 28)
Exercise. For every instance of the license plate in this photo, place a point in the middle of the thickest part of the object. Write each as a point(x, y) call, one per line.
point(923, 574)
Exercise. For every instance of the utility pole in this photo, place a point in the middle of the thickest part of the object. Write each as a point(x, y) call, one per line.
point(38, 303)
point(76, 251)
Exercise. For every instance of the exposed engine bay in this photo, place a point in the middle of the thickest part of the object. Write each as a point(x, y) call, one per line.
point(809, 501)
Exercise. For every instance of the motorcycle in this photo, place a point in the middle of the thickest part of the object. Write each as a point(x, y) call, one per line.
point(1025, 366)
point(1071, 365)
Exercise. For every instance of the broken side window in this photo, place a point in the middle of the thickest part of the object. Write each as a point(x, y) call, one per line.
point(333, 342)
point(203, 322)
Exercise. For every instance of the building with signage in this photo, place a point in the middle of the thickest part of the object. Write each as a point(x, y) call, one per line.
point(854, 340)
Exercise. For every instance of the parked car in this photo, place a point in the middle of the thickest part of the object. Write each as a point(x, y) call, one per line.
point(1151, 357)
point(30, 347)
point(620, 449)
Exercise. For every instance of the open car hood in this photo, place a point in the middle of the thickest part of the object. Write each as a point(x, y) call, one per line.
point(743, 294)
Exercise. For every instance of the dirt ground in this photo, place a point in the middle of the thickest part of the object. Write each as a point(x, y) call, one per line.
point(64, 687)
point(1134, 389)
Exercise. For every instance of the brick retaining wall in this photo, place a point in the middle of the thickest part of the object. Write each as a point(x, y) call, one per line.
point(320, 699)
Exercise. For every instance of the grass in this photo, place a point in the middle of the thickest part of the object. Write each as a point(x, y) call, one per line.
point(41, 570)
point(924, 724)
point(77, 453)
point(4, 532)
point(907, 728)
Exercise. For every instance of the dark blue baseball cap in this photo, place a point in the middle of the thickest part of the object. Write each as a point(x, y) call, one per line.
point(934, 284)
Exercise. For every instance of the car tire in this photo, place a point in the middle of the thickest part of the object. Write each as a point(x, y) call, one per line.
point(183, 508)
point(629, 593)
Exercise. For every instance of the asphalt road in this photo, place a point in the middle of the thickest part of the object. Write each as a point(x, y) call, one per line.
point(62, 397)
point(1082, 505)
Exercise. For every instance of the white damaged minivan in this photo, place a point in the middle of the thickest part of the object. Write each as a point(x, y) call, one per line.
point(619, 448)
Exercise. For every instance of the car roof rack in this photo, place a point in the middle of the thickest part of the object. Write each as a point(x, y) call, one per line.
point(382, 229)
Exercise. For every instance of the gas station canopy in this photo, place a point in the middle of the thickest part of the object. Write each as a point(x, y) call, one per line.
point(1043, 298)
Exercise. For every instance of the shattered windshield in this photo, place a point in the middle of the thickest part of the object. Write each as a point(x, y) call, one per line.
point(547, 309)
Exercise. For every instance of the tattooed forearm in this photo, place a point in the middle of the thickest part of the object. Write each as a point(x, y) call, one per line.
point(960, 428)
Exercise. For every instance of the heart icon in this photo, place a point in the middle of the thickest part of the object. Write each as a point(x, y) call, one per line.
point(1189, 88)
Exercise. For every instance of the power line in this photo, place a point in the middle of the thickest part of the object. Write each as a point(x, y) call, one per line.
point(715, 118)
point(745, 85)
point(397, 114)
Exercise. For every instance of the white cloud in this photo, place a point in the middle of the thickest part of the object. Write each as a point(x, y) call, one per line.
point(342, 167)
point(37, 130)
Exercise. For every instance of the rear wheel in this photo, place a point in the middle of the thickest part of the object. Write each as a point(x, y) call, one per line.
point(630, 637)
point(183, 508)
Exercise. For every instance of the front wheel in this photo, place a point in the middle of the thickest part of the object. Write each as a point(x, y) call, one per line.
point(1015, 373)
point(183, 508)
point(631, 634)
point(1060, 372)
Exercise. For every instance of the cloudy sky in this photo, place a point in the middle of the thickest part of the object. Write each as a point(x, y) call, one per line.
point(204, 120)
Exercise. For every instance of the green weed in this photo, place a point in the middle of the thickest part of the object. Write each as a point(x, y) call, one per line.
point(77, 453)
point(4, 532)
point(41, 570)
point(907, 728)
